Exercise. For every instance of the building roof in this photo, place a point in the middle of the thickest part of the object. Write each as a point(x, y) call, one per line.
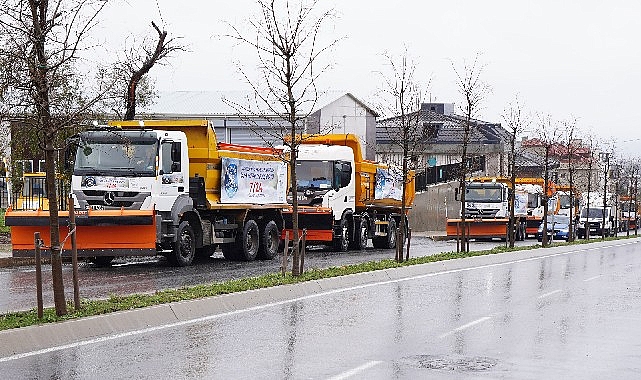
point(446, 129)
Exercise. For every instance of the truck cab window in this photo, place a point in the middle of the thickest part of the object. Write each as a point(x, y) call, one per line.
point(342, 174)
point(167, 162)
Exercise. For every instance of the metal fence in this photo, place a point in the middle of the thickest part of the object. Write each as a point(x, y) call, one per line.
point(446, 173)
point(30, 193)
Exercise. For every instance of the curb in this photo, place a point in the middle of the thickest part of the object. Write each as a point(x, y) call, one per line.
point(7, 262)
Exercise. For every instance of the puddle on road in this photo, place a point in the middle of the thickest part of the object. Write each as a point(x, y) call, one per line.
point(449, 363)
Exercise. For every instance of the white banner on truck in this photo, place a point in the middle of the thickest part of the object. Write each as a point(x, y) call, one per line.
point(520, 203)
point(389, 184)
point(249, 181)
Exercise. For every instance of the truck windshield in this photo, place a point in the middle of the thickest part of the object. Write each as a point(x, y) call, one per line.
point(117, 155)
point(594, 213)
point(314, 175)
point(564, 201)
point(483, 194)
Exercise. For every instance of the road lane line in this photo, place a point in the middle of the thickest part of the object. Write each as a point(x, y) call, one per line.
point(285, 302)
point(355, 371)
point(465, 326)
point(592, 278)
point(549, 294)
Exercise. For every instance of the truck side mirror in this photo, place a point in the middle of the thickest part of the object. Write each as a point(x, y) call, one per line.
point(456, 193)
point(175, 151)
point(70, 153)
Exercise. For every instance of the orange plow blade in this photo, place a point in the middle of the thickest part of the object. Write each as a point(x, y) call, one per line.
point(98, 233)
point(478, 228)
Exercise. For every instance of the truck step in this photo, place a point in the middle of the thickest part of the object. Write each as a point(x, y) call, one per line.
point(168, 235)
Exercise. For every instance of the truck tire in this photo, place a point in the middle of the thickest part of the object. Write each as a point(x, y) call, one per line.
point(269, 241)
point(249, 241)
point(341, 242)
point(360, 234)
point(184, 247)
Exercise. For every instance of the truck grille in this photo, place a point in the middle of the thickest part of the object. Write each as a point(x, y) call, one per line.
point(476, 213)
point(109, 200)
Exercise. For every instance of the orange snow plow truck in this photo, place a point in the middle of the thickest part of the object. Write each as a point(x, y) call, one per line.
point(345, 200)
point(166, 187)
point(487, 210)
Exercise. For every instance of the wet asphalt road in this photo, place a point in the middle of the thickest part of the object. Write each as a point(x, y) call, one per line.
point(152, 274)
point(573, 313)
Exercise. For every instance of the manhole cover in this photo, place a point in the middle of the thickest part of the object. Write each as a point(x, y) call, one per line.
point(448, 363)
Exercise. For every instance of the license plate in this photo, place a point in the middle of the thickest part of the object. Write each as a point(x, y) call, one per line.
point(97, 207)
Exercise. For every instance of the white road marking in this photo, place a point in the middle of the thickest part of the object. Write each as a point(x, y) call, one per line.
point(268, 305)
point(592, 278)
point(355, 371)
point(465, 326)
point(549, 294)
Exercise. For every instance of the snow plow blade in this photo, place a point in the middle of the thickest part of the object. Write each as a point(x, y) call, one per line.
point(478, 228)
point(98, 232)
point(318, 221)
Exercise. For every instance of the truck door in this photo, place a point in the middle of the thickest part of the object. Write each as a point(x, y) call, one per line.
point(172, 177)
point(344, 188)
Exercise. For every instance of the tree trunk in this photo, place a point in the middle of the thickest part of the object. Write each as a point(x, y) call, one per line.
point(54, 232)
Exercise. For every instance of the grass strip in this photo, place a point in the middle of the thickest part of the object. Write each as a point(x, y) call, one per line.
point(120, 303)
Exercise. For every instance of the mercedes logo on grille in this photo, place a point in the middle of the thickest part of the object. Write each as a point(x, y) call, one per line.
point(109, 198)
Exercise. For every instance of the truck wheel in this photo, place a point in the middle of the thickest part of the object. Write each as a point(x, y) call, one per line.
point(185, 247)
point(269, 240)
point(341, 242)
point(360, 235)
point(248, 241)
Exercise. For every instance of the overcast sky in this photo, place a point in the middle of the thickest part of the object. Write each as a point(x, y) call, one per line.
point(569, 59)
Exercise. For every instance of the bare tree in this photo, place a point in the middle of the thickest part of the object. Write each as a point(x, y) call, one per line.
point(285, 37)
point(591, 144)
point(571, 148)
point(403, 100)
point(473, 90)
point(41, 41)
point(130, 74)
point(605, 157)
point(549, 135)
point(516, 123)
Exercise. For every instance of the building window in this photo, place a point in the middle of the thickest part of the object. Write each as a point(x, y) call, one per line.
point(41, 166)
